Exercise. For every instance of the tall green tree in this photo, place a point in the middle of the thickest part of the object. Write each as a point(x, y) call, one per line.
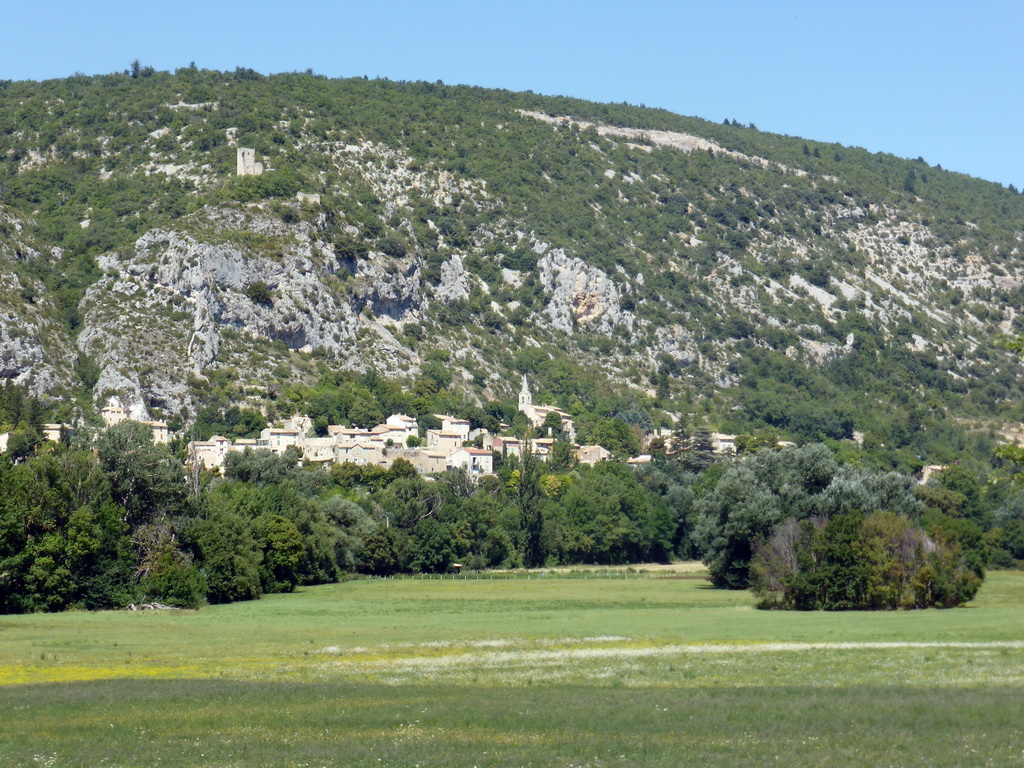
point(145, 478)
point(528, 498)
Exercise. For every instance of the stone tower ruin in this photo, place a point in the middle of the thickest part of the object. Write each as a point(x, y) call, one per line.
point(247, 165)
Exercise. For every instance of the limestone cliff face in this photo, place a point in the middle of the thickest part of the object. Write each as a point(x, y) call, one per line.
point(35, 349)
point(454, 283)
point(580, 295)
point(232, 287)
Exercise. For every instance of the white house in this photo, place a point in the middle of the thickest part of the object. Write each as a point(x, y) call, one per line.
point(407, 424)
point(476, 461)
point(346, 434)
point(723, 443)
point(384, 433)
point(280, 439)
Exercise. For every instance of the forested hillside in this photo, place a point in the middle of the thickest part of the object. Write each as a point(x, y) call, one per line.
point(634, 262)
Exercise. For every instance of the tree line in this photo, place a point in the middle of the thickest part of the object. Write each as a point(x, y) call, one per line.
point(122, 521)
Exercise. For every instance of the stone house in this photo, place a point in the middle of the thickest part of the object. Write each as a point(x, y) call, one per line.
point(363, 453)
point(319, 450)
point(592, 454)
point(452, 425)
point(161, 436)
point(439, 440)
point(113, 414)
point(301, 422)
point(431, 461)
point(210, 452)
point(507, 446)
point(542, 446)
point(52, 432)
point(391, 455)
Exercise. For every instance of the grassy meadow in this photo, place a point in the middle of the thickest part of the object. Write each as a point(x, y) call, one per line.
point(654, 668)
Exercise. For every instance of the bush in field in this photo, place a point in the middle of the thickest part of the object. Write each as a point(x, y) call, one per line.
point(856, 561)
point(755, 496)
point(174, 580)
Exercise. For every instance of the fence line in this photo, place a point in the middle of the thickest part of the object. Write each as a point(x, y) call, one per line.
point(624, 574)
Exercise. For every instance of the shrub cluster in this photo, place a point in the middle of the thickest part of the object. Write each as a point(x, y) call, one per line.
point(857, 561)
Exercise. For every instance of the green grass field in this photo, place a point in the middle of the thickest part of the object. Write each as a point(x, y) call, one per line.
point(551, 671)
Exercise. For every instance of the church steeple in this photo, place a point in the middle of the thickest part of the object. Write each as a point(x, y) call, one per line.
point(525, 398)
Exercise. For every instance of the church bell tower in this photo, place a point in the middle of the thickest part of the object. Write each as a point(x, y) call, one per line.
point(525, 398)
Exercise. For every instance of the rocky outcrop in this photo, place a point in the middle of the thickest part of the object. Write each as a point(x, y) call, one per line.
point(581, 295)
point(34, 346)
point(34, 350)
point(390, 286)
point(206, 295)
point(454, 283)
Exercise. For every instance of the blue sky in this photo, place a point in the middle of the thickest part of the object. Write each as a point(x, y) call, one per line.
point(940, 80)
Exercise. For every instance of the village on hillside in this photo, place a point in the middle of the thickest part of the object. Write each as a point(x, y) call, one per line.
point(454, 445)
